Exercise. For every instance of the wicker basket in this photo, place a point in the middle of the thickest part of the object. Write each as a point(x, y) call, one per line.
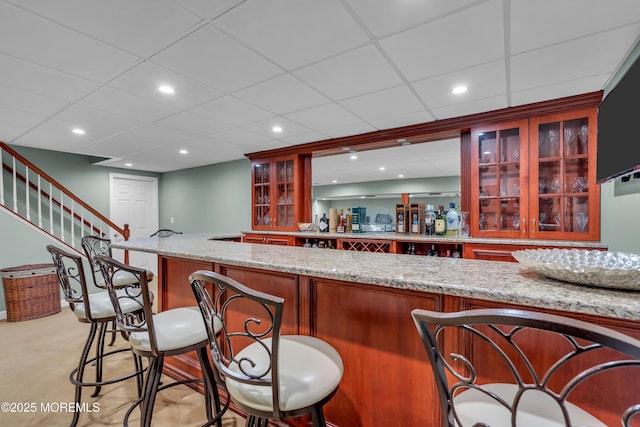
point(30, 291)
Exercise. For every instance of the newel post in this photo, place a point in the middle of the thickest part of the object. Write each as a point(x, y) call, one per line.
point(126, 233)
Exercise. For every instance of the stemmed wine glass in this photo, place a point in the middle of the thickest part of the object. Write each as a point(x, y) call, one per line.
point(582, 219)
point(515, 220)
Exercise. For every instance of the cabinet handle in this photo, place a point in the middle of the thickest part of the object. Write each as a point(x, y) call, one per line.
point(524, 225)
point(533, 225)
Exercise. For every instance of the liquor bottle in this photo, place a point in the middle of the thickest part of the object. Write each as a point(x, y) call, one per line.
point(415, 226)
point(453, 220)
point(324, 223)
point(441, 222)
point(457, 253)
point(430, 221)
point(400, 222)
point(340, 228)
point(432, 251)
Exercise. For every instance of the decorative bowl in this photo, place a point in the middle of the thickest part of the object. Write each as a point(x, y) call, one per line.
point(616, 270)
point(305, 226)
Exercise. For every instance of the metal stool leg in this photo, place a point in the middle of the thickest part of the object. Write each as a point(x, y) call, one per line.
point(77, 374)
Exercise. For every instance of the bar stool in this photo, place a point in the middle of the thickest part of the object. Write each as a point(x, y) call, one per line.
point(97, 310)
point(156, 336)
point(269, 376)
point(521, 368)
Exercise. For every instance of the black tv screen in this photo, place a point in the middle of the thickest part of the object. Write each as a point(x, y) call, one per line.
point(619, 127)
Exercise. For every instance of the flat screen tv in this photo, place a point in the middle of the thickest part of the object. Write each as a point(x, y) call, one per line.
point(619, 128)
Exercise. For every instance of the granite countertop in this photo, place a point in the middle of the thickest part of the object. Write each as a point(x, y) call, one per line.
point(488, 280)
point(443, 239)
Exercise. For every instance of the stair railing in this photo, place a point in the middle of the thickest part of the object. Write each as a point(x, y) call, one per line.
point(40, 200)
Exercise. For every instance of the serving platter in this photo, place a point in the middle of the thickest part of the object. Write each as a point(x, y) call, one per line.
point(614, 270)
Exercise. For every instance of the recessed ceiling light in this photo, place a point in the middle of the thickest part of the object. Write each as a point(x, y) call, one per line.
point(128, 164)
point(353, 157)
point(400, 176)
point(334, 181)
point(166, 89)
point(78, 131)
point(184, 152)
point(381, 168)
point(459, 89)
point(277, 128)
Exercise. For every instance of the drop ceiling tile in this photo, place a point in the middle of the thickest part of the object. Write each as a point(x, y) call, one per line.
point(391, 16)
point(293, 33)
point(420, 52)
point(124, 104)
point(192, 123)
point(482, 81)
point(472, 107)
point(163, 133)
point(560, 90)
point(264, 128)
point(331, 120)
point(9, 131)
point(208, 8)
point(144, 80)
point(211, 57)
point(281, 95)
point(57, 47)
point(53, 135)
point(232, 111)
point(303, 138)
point(377, 108)
point(42, 80)
point(591, 55)
point(19, 118)
point(236, 137)
point(350, 74)
point(123, 145)
point(26, 101)
point(132, 26)
point(98, 124)
point(534, 25)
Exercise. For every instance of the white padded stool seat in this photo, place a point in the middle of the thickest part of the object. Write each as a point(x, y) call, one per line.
point(121, 278)
point(175, 328)
point(102, 308)
point(309, 369)
point(536, 409)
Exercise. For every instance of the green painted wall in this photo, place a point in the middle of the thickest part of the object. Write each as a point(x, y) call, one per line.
point(210, 198)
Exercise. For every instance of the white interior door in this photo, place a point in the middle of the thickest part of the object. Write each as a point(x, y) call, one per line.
point(134, 201)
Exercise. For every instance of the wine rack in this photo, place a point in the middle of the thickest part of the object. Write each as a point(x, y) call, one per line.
point(366, 246)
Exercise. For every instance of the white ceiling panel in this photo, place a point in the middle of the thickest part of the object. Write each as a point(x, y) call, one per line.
point(282, 94)
point(482, 81)
point(41, 80)
point(292, 32)
point(483, 41)
point(193, 123)
point(46, 43)
point(579, 58)
point(391, 16)
point(333, 119)
point(211, 57)
point(534, 26)
point(140, 27)
point(376, 108)
point(145, 79)
point(354, 73)
point(320, 69)
point(125, 104)
point(233, 111)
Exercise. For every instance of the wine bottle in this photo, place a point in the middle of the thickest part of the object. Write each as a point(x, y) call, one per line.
point(400, 222)
point(441, 226)
point(430, 221)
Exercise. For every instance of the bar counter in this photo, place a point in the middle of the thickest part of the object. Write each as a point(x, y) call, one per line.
point(360, 303)
point(488, 280)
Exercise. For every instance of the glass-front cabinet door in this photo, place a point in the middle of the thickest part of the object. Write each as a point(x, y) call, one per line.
point(498, 185)
point(564, 196)
point(278, 189)
point(261, 178)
